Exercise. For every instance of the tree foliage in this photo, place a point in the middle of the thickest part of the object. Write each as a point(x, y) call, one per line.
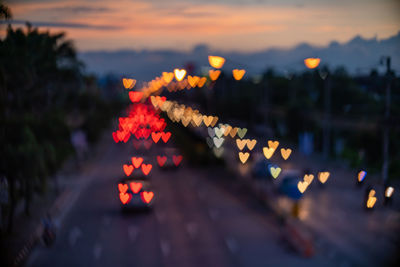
point(44, 95)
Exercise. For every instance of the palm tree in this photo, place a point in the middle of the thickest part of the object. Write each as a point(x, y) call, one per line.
point(5, 12)
point(38, 72)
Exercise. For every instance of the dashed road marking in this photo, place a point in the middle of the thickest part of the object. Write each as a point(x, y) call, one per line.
point(73, 236)
point(192, 230)
point(132, 233)
point(106, 220)
point(201, 194)
point(165, 247)
point(97, 249)
point(214, 213)
point(231, 244)
point(160, 216)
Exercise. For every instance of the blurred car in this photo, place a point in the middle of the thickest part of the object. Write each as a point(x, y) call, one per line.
point(288, 184)
point(135, 194)
point(170, 162)
point(260, 169)
point(133, 168)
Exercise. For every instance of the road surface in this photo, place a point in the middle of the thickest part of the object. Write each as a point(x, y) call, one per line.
point(194, 222)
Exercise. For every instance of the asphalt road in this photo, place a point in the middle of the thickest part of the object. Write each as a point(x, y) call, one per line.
point(194, 222)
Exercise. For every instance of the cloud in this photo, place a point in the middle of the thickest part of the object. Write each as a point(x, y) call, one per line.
point(244, 25)
point(184, 12)
point(77, 9)
point(62, 25)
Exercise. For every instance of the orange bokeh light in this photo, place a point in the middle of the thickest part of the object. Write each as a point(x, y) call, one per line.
point(311, 62)
point(216, 62)
point(238, 74)
point(214, 74)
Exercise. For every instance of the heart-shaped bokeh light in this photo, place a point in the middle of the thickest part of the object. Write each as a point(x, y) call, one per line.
point(128, 83)
point(179, 74)
point(216, 62)
point(238, 74)
point(311, 62)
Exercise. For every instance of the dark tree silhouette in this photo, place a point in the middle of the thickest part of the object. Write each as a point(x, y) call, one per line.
point(5, 12)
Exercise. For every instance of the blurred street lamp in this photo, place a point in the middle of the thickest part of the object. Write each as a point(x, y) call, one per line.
point(385, 144)
point(360, 177)
point(216, 62)
point(179, 74)
point(371, 199)
point(388, 195)
point(312, 63)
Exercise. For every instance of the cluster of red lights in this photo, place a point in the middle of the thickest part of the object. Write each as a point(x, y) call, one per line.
point(125, 197)
point(142, 121)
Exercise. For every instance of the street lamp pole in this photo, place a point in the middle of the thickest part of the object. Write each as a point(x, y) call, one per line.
point(385, 144)
point(327, 118)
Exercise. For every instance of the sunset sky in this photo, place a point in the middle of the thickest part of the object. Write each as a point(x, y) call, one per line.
point(238, 25)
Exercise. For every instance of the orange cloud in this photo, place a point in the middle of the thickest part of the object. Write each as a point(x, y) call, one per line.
point(158, 24)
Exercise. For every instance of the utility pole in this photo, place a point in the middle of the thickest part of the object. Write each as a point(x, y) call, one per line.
point(386, 126)
point(326, 135)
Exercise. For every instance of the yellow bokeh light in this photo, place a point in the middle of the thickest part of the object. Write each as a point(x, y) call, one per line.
point(244, 157)
point(273, 144)
point(286, 153)
point(179, 74)
point(302, 186)
point(323, 176)
point(128, 83)
point(167, 76)
point(216, 62)
point(268, 152)
point(241, 143)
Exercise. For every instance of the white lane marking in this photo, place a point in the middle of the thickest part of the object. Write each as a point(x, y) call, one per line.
point(160, 216)
point(231, 244)
point(97, 251)
point(192, 229)
point(201, 193)
point(132, 233)
point(214, 213)
point(165, 247)
point(106, 220)
point(73, 197)
point(73, 236)
point(332, 254)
